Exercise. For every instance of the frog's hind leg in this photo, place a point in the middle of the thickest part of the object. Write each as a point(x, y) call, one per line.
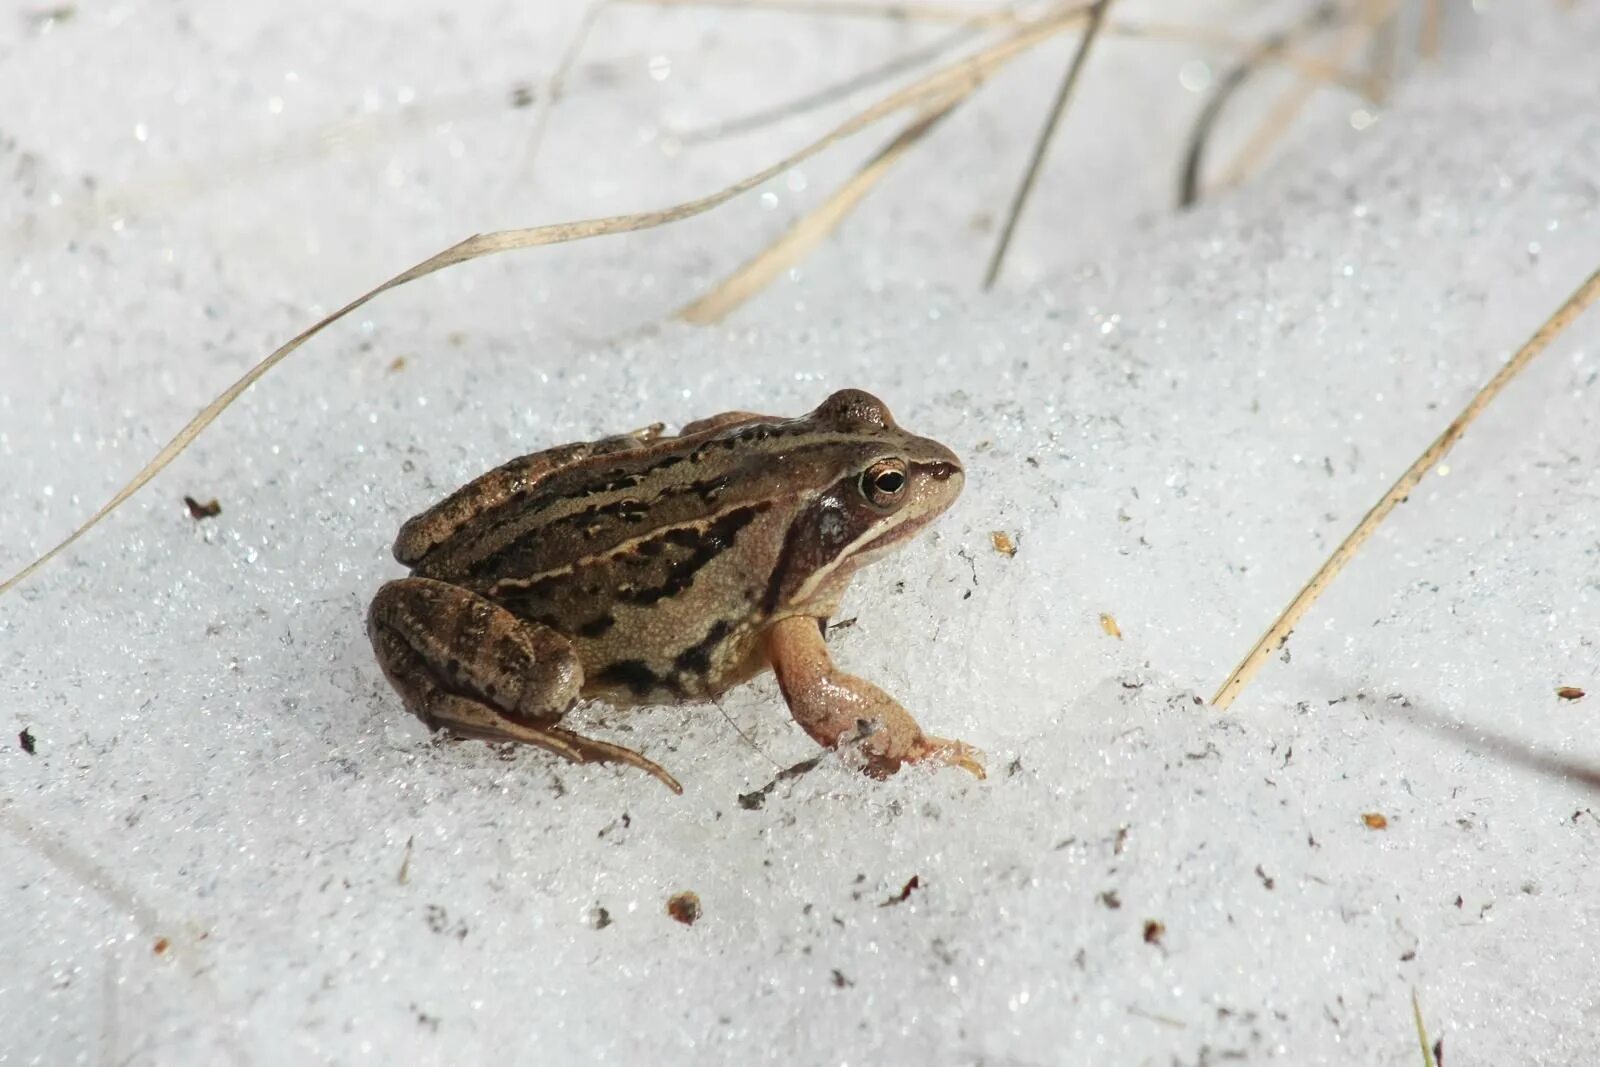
point(462, 663)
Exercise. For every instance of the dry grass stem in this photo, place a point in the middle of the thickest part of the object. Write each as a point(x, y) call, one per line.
point(757, 273)
point(1279, 631)
point(1281, 53)
point(1422, 1032)
point(916, 11)
point(1229, 84)
point(1384, 50)
point(956, 79)
point(157, 187)
point(1357, 32)
point(555, 87)
point(1428, 34)
point(1058, 106)
point(901, 64)
point(911, 60)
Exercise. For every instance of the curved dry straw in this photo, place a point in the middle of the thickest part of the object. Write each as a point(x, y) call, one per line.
point(953, 81)
point(1279, 631)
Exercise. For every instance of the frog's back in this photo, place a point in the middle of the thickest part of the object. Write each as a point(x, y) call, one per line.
point(657, 561)
point(662, 560)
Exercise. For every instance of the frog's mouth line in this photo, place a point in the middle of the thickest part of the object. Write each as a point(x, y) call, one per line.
point(902, 527)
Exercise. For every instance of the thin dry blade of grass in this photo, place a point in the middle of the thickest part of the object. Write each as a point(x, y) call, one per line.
point(957, 78)
point(156, 188)
point(1282, 55)
point(1381, 64)
point(1428, 34)
point(1356, 33)
point(1279, 631)
point(556, 86)
point(901, 64)
point(918, 11)
point(1058, 106)
point(1228, 85)
point(1422, 1032)
point(758, 272)
point(911, 60)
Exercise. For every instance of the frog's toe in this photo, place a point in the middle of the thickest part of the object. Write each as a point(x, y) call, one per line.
point(938, 751)
point(953, 754)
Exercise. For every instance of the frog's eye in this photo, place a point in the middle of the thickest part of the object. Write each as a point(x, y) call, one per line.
point(884, 483)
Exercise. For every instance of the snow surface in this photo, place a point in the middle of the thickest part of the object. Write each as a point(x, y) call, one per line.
point(233, 845)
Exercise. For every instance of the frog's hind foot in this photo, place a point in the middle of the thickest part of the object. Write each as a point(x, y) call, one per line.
point(468, 718)
point(589, 750)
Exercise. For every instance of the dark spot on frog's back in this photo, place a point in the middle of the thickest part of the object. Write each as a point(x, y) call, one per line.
point(633, 674)
point(703, 545)
point(709, 489)
point(696, 659)
point(597, 626)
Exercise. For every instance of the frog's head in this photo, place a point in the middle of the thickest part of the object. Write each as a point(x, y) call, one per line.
point(883, 487)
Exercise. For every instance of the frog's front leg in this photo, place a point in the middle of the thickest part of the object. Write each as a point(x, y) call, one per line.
point(833, 706)
point(463, 663)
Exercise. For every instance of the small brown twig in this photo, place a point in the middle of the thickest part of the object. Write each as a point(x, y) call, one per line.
point(1278, 632)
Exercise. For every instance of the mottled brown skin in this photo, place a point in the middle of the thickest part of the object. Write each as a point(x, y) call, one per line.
point(647, 569)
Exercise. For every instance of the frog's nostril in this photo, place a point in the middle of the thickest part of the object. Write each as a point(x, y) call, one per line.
point(939, 471)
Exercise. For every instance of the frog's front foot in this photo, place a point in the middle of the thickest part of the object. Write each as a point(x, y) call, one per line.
point(836, 708)
point(935, 750)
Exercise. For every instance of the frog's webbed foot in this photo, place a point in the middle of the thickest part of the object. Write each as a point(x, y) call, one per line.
point(836, 708)
point(464, 664)
point(943, 752)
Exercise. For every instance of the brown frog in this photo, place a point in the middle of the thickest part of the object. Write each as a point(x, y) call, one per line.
point(651, 569)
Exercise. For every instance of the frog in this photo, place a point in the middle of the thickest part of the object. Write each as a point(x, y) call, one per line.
point(648, 568)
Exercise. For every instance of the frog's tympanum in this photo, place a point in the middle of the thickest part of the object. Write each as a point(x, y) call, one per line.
point(650, 569)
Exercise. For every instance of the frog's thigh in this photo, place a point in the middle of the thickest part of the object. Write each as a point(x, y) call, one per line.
point(833, 706)
point(463, 663)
